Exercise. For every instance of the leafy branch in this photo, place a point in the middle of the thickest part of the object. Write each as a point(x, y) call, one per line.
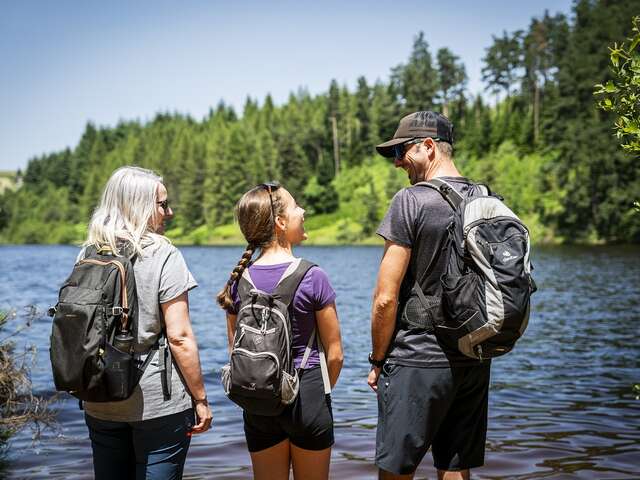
point(622, 94)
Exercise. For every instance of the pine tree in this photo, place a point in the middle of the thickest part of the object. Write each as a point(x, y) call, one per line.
point(452, 78)
point(417, 81)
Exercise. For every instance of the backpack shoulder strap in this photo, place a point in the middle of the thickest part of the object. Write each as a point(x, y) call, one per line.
point(286, 288)
point(88, 251)
point(323, 360)
point(449, 193)
point(245, 284)
point(129, 252)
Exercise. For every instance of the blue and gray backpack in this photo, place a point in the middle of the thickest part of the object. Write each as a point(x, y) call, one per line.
point(487, 285)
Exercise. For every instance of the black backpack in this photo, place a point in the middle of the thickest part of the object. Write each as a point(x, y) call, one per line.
point(94, 329)
point(487, 285)
point(260, 376)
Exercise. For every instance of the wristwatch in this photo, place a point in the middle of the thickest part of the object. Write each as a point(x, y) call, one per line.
point(374, 362)
point(201, 400)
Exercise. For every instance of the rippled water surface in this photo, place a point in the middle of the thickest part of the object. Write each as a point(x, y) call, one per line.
point(561, 404)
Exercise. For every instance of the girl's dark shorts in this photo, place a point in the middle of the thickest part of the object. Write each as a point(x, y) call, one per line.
point(307, 422)
point(441, 408)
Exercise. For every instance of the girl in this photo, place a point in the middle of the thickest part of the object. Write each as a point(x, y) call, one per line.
point(302, 434)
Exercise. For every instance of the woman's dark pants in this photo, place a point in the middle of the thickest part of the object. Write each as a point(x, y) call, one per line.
point(149, 449)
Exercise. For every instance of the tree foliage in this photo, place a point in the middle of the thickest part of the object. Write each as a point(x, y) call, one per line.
point(544, 145)
point(621, 95)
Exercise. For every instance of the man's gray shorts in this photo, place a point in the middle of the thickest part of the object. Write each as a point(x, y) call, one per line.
point(445, 408)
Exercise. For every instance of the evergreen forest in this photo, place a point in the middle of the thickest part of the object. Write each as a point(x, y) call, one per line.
point(535, 136)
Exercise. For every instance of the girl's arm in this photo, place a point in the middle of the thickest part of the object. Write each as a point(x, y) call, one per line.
point(231, 329)
point(329, 331)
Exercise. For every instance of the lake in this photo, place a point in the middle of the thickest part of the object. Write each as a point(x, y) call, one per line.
point(561, 404)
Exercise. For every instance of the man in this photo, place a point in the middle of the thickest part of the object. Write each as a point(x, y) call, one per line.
point(427, 396)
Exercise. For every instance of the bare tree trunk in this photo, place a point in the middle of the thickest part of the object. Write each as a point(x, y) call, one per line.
point(336, 145)
point(536, 113)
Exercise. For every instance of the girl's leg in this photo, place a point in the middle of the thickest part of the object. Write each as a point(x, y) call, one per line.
point(272, 463)
point(310, 464)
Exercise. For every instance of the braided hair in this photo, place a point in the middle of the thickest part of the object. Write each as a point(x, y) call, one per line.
point(257, 224)
point(224, 298)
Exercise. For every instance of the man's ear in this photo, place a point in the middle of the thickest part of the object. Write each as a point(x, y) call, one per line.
point(430, 144)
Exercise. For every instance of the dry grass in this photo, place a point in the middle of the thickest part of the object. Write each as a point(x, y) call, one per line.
point(19, 407)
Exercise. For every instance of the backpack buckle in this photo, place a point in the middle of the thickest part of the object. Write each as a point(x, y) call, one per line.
point(117, 311)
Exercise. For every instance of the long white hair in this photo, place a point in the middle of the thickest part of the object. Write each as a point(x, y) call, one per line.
point(127, 206)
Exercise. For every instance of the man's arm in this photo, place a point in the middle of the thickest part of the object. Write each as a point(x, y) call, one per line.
point(393, 267)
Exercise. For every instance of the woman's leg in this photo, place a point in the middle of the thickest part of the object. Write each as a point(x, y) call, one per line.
point(112, 445)
point(272, 463)
point(161, 446)
point(310, 464)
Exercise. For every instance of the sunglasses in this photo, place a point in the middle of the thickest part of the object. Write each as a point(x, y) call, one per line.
point(400, 150)
point(271, 187)
point(164, 204)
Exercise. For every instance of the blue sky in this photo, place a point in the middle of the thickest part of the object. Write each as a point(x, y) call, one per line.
point(64, 63)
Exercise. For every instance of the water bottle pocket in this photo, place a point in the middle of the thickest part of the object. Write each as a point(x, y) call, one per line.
point(225, 378)
point(289, 387)
point(119, 373)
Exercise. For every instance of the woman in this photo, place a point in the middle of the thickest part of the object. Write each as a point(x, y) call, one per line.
point(302, 435)
point(147, 435)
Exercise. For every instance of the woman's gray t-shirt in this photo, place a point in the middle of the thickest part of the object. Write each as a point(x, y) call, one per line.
point(161, 275)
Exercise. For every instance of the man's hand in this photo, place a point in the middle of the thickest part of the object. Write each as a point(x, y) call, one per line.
point(372, 379)
point(203, 417)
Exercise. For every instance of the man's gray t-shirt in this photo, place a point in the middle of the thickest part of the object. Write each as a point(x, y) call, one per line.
point(418, 218)
point(161, 275)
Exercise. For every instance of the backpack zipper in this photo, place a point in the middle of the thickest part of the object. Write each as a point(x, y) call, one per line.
point(256, 330)
point(498, 218)
point(123, 285)
point(284, 323)
point(258, 354)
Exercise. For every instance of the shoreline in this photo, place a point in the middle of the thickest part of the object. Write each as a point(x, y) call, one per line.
point(367, 242)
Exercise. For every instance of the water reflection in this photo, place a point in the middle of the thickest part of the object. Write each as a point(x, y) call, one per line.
point(561, 405)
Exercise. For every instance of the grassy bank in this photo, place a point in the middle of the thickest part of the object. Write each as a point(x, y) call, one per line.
point(326, 230)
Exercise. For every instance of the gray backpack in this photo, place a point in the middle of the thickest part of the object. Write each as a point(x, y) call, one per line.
point(260, 376)
point(487, 285)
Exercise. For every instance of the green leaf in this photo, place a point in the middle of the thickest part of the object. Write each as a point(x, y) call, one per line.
point(610, 87)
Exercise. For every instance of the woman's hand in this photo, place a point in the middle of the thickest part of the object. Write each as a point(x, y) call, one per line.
point(203, 416)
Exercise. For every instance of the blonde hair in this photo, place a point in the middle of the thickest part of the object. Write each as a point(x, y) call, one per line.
point(127, 206)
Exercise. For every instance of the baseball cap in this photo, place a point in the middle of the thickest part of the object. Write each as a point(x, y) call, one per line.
point(419, 125)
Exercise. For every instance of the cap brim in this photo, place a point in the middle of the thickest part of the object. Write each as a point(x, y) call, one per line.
point(386, 149)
